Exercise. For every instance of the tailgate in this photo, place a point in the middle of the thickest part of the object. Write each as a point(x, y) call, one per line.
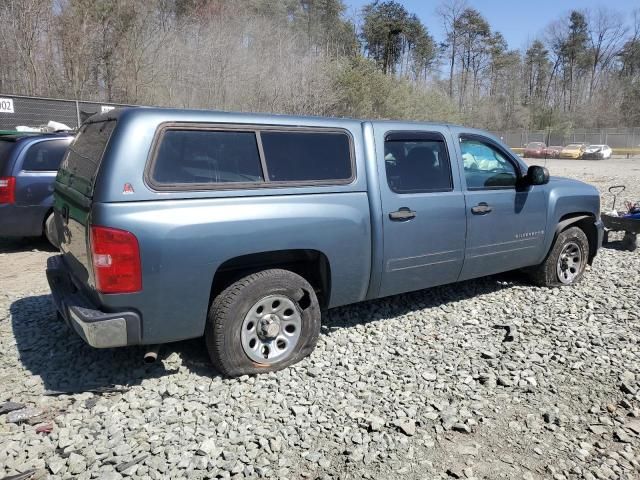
point(74, 193)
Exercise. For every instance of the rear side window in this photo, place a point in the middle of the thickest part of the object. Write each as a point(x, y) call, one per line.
point(417, 163)
point(80, 166)
point(307, 156)
point(257, 156)
point(45, 156)
point(201, 156)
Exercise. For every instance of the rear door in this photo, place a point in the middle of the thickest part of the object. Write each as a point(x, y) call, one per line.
point(505, 221)
point(74, 192)
point(423, 209)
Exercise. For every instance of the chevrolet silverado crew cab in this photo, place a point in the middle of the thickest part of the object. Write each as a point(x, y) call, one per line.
point(243, 228)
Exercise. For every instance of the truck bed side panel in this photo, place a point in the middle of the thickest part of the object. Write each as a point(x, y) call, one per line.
point(183, 242)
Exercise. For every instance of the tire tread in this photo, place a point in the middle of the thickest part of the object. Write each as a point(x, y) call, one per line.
point(544, 274)
point(216, 333)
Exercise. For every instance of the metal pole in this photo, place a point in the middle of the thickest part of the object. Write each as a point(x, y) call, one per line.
point(78, 113)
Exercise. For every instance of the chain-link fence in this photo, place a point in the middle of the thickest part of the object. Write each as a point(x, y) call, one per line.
point(18, 110)
point(36, 111)
point(617, 138)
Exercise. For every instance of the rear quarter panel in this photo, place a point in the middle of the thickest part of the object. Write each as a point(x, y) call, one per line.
point(183, 242)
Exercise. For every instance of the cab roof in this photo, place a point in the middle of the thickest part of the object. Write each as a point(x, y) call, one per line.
point(115, 114)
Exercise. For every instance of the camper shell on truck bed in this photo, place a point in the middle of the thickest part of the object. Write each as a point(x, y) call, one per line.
point(242, 227)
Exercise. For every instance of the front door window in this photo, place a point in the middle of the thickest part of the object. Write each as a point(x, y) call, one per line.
point(485, 167)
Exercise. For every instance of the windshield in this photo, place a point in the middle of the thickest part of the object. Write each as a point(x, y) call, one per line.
point(535, 145)
point(574, 145)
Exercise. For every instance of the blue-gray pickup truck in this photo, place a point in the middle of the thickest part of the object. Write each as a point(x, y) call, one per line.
point(243, 228)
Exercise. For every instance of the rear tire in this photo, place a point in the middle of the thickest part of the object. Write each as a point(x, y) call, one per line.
point(566, 262)
point(262, 323)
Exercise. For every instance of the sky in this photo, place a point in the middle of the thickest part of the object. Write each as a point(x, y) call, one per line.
point(518, 20)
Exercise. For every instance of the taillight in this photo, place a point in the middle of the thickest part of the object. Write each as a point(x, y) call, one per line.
point(116, 260)
point(7, 189)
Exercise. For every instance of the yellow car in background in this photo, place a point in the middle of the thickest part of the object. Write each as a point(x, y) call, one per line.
point(573, 150)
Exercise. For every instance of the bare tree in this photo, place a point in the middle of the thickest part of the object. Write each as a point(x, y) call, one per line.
point(450, 12)
point(23, 24)
point(606, 33)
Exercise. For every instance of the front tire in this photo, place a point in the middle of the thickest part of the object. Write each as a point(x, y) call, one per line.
point(566, 262)
point(262, 323)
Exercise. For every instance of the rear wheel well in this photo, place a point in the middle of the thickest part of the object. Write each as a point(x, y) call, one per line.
point(586, 222)
point(312, 265)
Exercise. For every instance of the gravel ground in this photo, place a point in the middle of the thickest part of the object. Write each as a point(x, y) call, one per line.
point(491, 378)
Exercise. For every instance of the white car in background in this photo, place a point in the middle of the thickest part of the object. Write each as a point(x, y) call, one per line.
point(598, 152)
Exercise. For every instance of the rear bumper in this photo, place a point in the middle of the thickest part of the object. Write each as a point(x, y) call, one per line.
point(22, 221)
point(99, 329)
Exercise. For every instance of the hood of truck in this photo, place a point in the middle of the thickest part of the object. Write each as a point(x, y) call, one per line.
point(573, 186)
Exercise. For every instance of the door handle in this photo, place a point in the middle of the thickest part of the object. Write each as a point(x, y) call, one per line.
point(402, 214)
point(481, 209)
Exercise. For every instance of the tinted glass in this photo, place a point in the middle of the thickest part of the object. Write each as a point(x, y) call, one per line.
point(198, 156)
point(415, 166)
point(80, 166)
point(485, 166)
point(5, 151)
point(45, 156)
point(306, 156)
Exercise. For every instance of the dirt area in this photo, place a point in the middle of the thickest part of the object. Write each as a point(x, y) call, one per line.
point(601, 173)
point(22, 264)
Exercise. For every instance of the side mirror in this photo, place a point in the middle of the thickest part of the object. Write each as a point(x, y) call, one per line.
point(537, 175)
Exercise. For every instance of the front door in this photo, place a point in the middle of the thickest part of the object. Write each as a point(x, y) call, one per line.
point(505, 221)
point(423, 209)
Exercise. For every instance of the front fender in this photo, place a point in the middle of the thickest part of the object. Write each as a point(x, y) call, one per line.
point(571, 201)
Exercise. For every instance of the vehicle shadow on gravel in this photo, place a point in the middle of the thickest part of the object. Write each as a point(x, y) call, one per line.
point(397, 305)
point(47, 347)
point(15, 245)
point(615, 245)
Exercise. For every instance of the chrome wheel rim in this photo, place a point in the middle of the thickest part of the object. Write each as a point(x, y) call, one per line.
point(569, 263)
point(271, 329)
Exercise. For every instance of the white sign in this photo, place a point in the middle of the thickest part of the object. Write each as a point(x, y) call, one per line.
point(6, 105)
point(106, 108)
